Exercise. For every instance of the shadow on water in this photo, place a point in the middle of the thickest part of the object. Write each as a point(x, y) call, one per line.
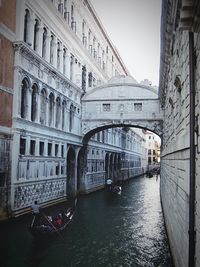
point(121, 231)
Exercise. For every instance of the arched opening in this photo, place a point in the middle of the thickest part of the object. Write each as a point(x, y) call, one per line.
point(58, 55)
point(34, 102)
point(51, 49)
point(71, 117)
point(26, 25)
point(44, 42)
point(43, 107)
point(51, 109)
point(36, 35)
point(64, 104)
point(24, 97)
point(58, 112)
point(71, 179)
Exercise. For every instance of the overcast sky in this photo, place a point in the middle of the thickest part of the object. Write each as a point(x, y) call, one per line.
point(134, 28)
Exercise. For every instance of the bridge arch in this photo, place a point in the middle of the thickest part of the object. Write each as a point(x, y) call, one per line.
point(119, 103)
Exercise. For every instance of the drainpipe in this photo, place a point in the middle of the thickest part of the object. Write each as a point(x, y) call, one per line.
point(192, 232)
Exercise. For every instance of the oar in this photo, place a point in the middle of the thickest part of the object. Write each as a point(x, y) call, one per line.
point(33, 221)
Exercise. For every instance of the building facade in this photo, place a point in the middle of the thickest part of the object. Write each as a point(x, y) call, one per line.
point(58, 51)
point(179, 93)
point(7, 36)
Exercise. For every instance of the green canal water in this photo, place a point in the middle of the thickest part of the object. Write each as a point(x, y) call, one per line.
point(106, 231)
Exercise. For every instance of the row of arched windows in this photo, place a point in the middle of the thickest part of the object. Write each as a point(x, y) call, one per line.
point(51, 49)
point(44, 108)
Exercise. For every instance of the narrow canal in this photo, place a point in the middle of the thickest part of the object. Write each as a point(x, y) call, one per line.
point(121, 231)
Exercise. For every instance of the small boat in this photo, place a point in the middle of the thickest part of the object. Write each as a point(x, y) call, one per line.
point(49, 226)
point(116, 189)
point(149, 174)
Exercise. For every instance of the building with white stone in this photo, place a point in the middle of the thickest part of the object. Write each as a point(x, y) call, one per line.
point(61, 51)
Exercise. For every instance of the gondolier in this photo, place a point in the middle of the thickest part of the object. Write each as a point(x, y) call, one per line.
point(36, 212)
point(35, 208)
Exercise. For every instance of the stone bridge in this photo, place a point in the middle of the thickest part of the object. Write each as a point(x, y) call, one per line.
point(121, 102)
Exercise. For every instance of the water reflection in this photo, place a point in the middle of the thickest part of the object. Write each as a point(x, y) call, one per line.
point(106, 231)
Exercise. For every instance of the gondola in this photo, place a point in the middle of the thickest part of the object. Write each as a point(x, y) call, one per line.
point(115, 190)
point(50, 227)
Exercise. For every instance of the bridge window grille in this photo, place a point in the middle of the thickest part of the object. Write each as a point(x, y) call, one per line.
point(138, 106)
point(106, 107)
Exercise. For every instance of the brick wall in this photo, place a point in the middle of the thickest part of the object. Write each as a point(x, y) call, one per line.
point(7, 61)
point(8, 14)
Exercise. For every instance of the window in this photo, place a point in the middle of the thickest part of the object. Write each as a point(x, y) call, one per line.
point(44, 40)
point(26, 25)
point(58, 111)
point(41, 148)
point(149, 151)
point(32, 147)
point(51, 109)
point(36, 29)
point(43, 104)
point(57, 169)
point(22, 146)
point(138, 106)
point(34, 102)
point(49, 149)
point(56, 150)
point(106, 107)
point(24, 95)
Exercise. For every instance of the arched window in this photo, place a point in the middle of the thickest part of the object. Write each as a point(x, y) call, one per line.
point(51, 49)
point(58, 111)
point(63, 114)
point(43, 107)
point(44, 42)
point(58, 55)
point(51, 108)
point(34, 102)
point(36, 29)
point(64, 60)
point(71, 117)
point(26, 25)
point(24, 97)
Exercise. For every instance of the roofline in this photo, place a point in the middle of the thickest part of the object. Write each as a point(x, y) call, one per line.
point(114, 49)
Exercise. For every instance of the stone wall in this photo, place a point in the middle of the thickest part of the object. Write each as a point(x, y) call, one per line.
point(175, 100)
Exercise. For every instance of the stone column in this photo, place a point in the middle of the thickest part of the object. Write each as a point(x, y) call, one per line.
point(68, 62)
point(40, 39)
point(37, 147)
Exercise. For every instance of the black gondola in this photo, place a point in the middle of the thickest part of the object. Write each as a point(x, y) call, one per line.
point(50, 227)
point(116, 190)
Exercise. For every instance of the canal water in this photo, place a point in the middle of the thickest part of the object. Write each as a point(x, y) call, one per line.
point(107, 231)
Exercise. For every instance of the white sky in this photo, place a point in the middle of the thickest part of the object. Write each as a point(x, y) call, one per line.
point(134, 28)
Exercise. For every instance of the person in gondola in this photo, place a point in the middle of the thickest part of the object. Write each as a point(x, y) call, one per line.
point(36, 212)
